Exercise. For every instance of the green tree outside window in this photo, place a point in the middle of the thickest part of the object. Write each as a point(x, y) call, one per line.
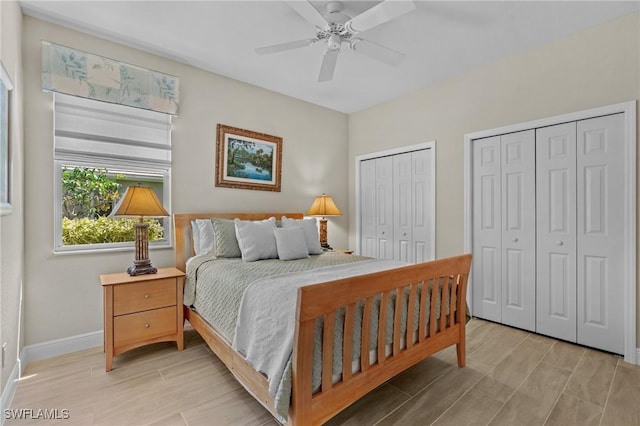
point(88, 196)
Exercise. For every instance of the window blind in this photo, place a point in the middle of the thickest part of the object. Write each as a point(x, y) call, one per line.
point(88, 128)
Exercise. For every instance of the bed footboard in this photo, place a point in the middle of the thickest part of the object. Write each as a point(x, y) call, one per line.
point(437, 290)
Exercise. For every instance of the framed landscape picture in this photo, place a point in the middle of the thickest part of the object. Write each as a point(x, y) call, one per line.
point(248, 160)
point(5, 161)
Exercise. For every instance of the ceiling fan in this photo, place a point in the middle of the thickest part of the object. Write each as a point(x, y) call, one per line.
point(336, 28)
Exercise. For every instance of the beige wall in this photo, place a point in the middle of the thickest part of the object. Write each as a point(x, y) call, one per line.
point(11, 226)
point(592, 68)
point(595, 67)
point(62, 293)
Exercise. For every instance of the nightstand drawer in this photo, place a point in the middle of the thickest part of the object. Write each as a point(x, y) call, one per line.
point(141, 326)
point(143, 296)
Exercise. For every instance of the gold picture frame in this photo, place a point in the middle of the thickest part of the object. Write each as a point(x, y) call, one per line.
point(247, 159)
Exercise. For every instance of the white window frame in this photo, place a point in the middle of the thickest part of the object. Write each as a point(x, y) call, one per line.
point(118, 163)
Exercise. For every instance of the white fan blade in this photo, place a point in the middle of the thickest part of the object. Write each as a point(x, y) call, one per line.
point(377, 51)
point(285, 46)
point(328, 64)
point(379, 14)
point(308, 12)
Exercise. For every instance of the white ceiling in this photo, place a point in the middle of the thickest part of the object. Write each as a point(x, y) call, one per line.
point(441, 39)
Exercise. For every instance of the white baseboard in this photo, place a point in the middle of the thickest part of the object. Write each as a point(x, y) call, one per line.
point(12, 384)
point(63, 346)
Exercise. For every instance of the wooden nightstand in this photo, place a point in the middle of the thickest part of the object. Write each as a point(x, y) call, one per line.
point(142, 309)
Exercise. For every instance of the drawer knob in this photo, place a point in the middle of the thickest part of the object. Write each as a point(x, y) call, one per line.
point(147, 325)
point(146, 296)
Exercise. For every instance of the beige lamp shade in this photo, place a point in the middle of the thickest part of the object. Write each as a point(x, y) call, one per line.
point(139, 201)
point(323, 205)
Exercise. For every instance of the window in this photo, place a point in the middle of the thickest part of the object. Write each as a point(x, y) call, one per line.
point(100, 150)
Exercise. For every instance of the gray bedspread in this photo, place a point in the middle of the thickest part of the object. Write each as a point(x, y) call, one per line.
point(229, 293)
point(214, 287)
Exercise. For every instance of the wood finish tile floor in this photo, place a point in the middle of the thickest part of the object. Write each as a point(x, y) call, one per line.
point(512, 377)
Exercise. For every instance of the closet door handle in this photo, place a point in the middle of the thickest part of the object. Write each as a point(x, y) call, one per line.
point(515, 240)
point(559, 243)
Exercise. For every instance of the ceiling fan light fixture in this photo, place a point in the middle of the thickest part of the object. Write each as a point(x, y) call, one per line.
point(334, 42)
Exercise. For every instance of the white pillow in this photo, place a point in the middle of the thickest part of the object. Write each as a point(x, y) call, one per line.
point(203, 236)
point(256, 239)
point(310, 228)
point(195, 236)
point(291, 243)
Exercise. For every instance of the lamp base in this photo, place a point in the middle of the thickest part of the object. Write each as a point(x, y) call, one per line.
point(142, 263)
point(323, 235)
point(141, 267)
point(326, 247)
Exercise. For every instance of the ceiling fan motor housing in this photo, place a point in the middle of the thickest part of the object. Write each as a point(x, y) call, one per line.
point(335, 32)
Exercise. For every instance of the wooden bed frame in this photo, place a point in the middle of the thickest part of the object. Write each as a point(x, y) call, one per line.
point(308, 408)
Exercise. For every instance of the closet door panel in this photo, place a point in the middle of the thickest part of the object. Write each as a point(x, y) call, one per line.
point(384, 207)
point(600, 266)
point(556, 231)
point(368, 235)
point(402, 212)
point(420, 205)
point(518, 229)
point(487, 242)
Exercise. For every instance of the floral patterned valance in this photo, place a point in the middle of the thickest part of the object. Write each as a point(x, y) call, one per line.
point(78, 73)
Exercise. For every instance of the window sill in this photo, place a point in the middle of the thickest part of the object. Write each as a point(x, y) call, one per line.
point(63, 251)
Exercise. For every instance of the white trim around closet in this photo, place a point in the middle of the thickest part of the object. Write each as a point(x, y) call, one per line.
point(630, 281)
point(402, 150)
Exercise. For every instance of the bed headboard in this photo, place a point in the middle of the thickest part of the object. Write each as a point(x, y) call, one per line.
point(183, 241)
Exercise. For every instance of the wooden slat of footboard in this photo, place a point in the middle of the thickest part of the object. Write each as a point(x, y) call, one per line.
point(422, 318)
point(327, 350)
point(347, 341)
point(382, 326)
point(453, 299)
point(410, 313)
point(366, 333)
point(433, 306)
point(397, 313)
point(443, 302)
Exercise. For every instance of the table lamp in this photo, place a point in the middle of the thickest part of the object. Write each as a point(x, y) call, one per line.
point(323, 206)
point(140, 201)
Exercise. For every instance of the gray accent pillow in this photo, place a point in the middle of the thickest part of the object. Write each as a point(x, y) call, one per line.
point(256, 239)
point(291, 243)
point(225, 236)
point(310, 228)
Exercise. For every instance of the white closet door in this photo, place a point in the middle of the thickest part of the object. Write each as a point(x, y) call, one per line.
point(384, 207)
point(600, 263)
point(422, 195)
point(487, 239)
point(402, 217)
point(518, 229)
point(556, 231)
point(368, 236)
